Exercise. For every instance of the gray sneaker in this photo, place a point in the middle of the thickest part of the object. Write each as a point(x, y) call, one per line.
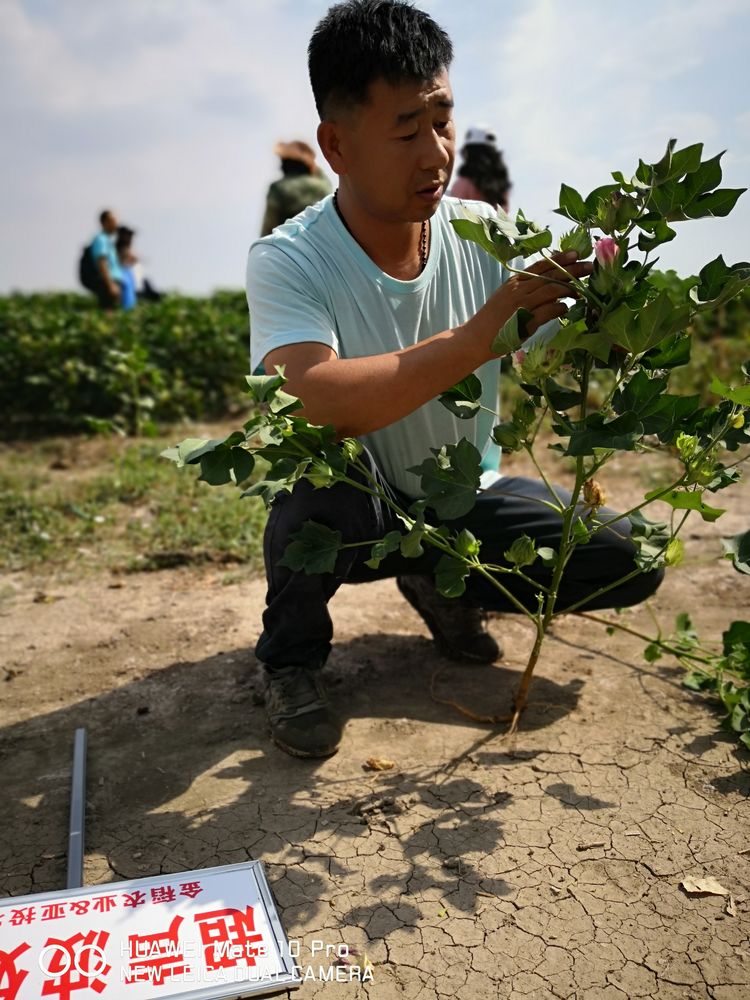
point(302, 720)
point(460, 631)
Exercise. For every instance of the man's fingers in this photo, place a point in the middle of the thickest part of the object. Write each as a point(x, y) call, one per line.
point(543, 314)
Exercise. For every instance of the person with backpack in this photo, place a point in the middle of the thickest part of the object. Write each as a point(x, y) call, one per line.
point(303, 184)
point(99, 268)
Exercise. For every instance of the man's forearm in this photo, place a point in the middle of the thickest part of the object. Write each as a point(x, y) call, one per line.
point(360, 395)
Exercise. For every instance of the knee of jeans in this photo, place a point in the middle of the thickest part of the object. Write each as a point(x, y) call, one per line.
point(341, 507)
point(649, 583)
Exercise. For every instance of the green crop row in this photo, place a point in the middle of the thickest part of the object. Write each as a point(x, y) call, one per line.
point(67, 366)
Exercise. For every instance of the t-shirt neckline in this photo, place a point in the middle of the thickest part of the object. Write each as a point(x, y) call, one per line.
point(377, 274)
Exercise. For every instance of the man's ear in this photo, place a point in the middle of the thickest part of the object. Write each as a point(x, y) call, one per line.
point(329, 140)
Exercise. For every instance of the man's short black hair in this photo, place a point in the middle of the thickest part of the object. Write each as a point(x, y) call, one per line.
point(360, 41)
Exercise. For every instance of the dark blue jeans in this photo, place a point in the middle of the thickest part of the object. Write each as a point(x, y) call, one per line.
point(297, 627)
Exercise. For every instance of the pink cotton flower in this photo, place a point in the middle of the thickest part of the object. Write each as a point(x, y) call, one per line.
point(519, 357)
point(606, 250)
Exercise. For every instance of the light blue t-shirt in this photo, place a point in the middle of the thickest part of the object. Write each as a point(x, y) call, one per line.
point(103, 245)
point(311, 281)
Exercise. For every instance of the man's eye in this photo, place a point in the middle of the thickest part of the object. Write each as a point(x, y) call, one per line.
point(408, 138)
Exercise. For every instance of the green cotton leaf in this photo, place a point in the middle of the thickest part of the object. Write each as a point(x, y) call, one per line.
point(717, 204)
point(658, 319)
point(673, 352)
point(561, 397)
point(697, 681)
point(572, 205)
point(575, 336)
point(280, 477)
point(741, 395)
point(411, 543)
point(718, 283)
point(508, 436)
point(216, 467)
point(705, 178)
point(578, 239)
point(687, 500)
point(639, 394)
point(534, 242)
point(620, 434)
point(652, 653)
point(450, 576)
point(675, 164)
point(462, 399)
point(450, 480)
point(512, 333)
point(737, 548)
point(383, 548)
point(684, 623)
point(243, 464)
point(494, 237)
point(522, 552)
point(189, 451)
point(668, 199)
point(313, 549)
point(263, 387)
point(282, 403)
point(660, 233)
point(660, 412)
point(737, 635)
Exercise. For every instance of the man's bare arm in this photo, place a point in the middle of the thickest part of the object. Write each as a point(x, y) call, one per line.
point(360, 395)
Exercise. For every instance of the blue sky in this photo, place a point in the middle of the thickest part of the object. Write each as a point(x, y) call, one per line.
point(168, 110)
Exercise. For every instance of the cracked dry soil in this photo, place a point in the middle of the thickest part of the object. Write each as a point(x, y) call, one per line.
point(549, 866)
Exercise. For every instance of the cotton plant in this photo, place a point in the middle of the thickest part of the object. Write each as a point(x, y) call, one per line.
point(627, 331)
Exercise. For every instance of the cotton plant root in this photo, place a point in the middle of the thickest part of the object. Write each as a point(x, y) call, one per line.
point(491, 720)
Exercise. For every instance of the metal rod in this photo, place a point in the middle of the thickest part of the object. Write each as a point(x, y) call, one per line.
point(77, 811)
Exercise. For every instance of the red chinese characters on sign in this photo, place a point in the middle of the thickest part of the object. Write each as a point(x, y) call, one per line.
point(155, 957)
point(11, 976)
point(191, 889)
point(162, 894)
point(102, 903)
point(75, 963)
point(229, 938)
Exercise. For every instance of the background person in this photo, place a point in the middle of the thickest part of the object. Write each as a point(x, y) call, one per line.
point(126, 259)
point(483, 175)
point(302, 184)
point(107, 273)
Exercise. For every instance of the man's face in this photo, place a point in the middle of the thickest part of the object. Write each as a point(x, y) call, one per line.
point(397, 150)
point(110, 223)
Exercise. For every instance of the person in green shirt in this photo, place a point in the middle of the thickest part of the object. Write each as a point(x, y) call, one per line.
point(303, 183)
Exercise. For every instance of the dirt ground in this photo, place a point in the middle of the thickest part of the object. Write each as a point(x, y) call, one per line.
point(546, 866)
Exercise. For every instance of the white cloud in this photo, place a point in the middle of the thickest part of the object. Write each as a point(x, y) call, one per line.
point(169, 112)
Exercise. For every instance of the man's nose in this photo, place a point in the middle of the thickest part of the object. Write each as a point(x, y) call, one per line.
point(435, 153)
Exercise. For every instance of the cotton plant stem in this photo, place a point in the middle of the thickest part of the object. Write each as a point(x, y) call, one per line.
point(544, 618)
point(530, 452)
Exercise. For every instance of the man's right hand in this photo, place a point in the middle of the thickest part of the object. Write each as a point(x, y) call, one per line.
point(539, 290)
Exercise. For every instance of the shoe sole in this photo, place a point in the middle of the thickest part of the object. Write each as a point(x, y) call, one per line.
point(459, 656)
point(304, 754)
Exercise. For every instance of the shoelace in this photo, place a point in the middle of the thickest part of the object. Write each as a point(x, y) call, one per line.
point(295, 689)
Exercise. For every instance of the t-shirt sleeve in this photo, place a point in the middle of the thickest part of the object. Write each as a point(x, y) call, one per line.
point(283, 304)
point(100, 246)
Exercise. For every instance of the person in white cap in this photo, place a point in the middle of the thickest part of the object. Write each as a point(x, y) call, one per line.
point(482, 175)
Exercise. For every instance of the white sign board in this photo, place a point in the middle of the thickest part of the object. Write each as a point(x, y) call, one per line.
point(201, 934)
